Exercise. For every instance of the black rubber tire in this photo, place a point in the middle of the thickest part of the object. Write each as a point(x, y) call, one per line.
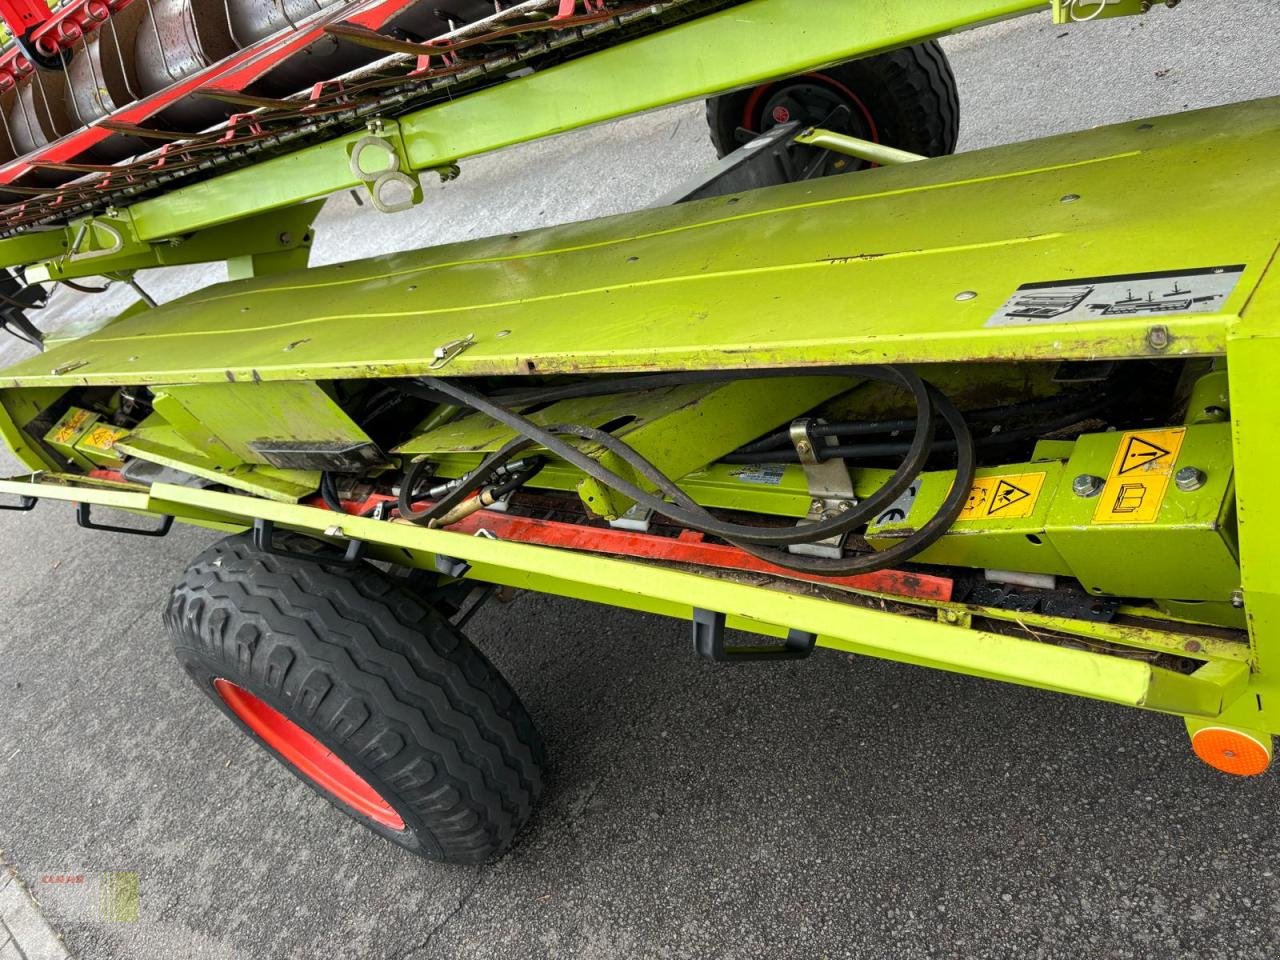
point(910, 93)
point(365, 666)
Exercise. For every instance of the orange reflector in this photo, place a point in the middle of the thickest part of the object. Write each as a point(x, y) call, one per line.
point(1231, 751)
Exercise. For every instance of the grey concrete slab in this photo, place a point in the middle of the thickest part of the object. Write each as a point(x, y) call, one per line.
point(24, 931)
point(838, 807)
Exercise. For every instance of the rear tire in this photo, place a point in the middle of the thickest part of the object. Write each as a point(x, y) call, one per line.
point(906, 98)
point(364, 692)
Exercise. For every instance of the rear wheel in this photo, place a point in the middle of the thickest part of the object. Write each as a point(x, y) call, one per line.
point(906, 98)
point(364, 692)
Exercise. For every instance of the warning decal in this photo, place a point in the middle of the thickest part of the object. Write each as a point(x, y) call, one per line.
point(1010, 497)
point(1139, 476)
point(1139, 453)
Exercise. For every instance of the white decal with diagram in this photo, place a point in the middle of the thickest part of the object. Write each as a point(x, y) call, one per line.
point(1153, 295)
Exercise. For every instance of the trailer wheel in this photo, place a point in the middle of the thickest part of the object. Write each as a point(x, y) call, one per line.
point(363, 691)
point(906, 98)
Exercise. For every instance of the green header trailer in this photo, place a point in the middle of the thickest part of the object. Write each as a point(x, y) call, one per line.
point(1003, 413)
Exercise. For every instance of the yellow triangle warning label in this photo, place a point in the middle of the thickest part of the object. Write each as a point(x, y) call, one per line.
point(1009, 497)
point(1006, 495)
point(1140, 453)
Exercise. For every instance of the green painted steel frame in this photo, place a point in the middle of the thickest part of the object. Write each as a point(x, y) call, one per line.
point(749, 43)
point(927, 641)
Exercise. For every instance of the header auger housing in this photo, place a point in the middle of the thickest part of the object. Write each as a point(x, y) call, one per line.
point(1005, 413)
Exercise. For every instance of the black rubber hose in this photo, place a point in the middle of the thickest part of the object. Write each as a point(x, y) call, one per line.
point(703, 520)
point(700, 519)
point(518, 479)
point(780, 439)
point(329, 492)
point(927, 535)
point(472, 482)
point(896, 448)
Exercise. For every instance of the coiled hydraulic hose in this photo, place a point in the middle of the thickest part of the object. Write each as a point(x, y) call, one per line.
point(760, 541)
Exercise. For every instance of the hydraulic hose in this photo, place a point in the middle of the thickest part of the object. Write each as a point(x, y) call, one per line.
point(755, 539)
point(699, 519)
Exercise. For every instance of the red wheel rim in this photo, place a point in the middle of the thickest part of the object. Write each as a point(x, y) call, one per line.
point(307, 755)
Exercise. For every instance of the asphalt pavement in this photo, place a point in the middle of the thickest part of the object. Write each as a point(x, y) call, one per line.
point(839, 807)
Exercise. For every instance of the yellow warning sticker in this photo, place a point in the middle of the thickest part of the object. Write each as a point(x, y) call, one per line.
point(102, 438)
point(1139, 476)
point(1008, 497)
point(71, 426)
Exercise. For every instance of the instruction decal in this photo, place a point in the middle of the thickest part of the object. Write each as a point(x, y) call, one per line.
point(1139, 477)
point(1008, 497)
point(1162, 294)
point(900, 509)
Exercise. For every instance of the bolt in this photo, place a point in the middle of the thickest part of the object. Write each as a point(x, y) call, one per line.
point(816, 506)
point(1070, 198)
point(1158, 338)
point(1237, 599)
point(803, 448)
point(1189, 479)
point(1086, 485)
point(845, 506)
point(966, 295)
point(1191, 646)
point(286, 238)
point(1144, 6)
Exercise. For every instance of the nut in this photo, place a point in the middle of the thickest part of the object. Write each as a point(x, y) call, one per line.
point(1189, 478)
point(1086, 485)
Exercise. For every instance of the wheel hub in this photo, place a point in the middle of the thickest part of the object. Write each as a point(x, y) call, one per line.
point(812, 100)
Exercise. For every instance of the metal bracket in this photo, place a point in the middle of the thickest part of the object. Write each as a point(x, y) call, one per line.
point(383, 182)
point(830, 486)
point(24, 505)
point(84, 231)
point(85, 519)
point(264, 540)
point(1082, 11)
point(637, 518)
point(447, 351)
point(451, 567)
point(709, 642)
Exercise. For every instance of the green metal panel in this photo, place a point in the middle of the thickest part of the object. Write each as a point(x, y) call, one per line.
point(870, 268)
point(226, 421)
point(157, 442)
point(1186, 553)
